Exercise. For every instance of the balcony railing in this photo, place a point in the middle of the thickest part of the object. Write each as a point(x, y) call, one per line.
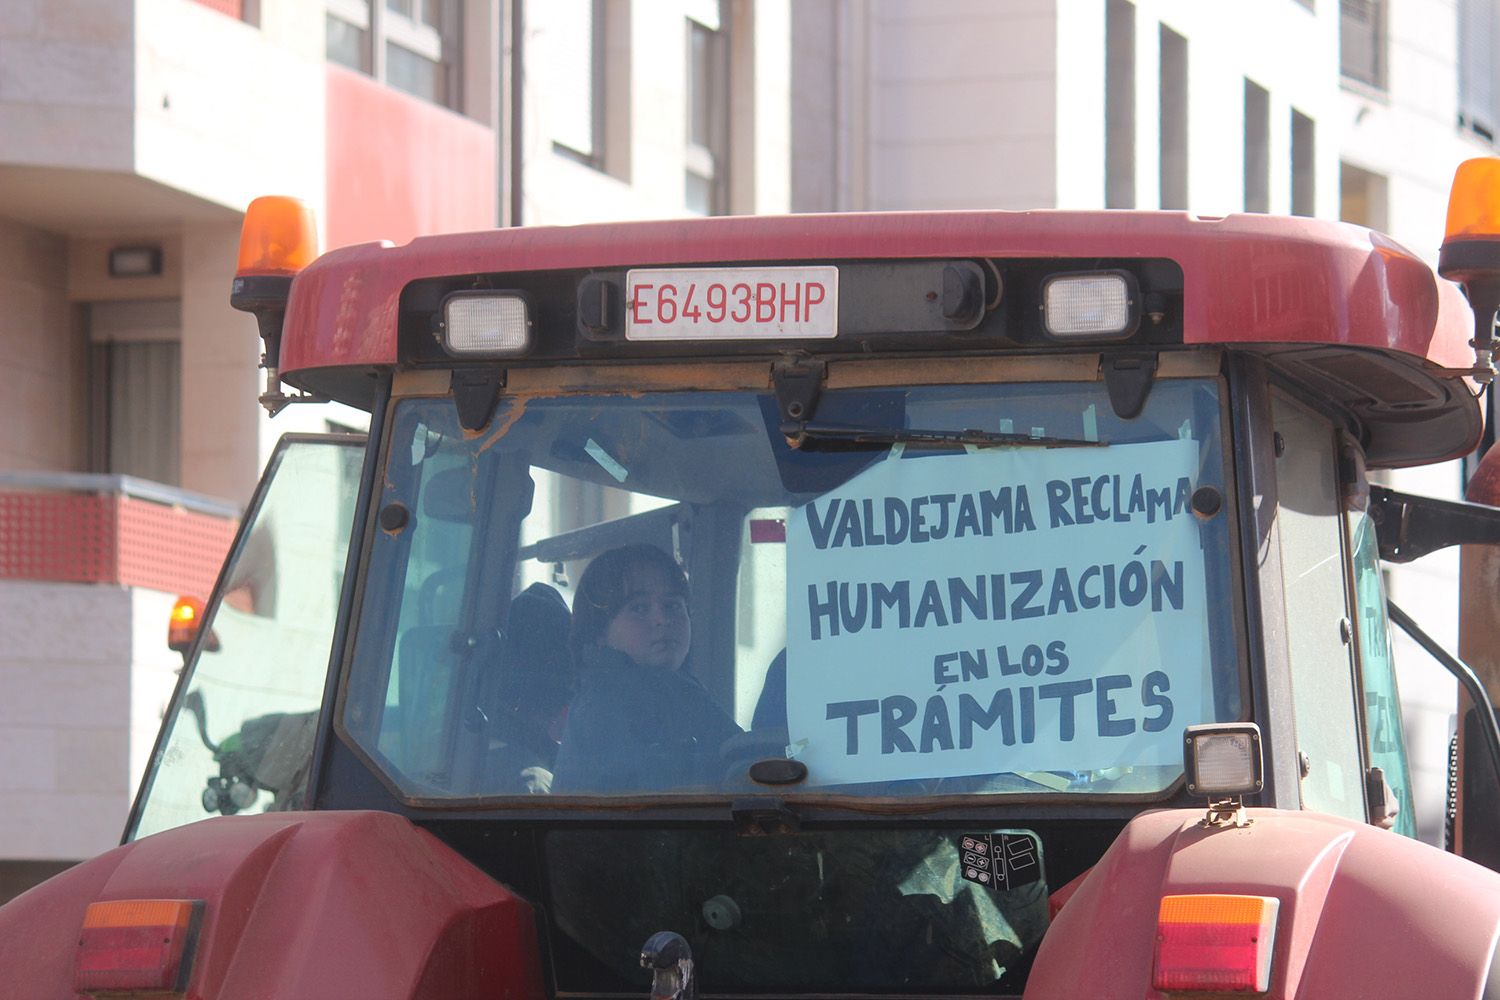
point(83, 528)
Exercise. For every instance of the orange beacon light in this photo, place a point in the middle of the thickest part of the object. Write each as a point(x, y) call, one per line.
point(278, 238)
point(1470, 254)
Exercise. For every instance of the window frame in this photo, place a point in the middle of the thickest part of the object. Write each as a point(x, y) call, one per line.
point(382, 27)
point(707, 161)
point(1376, 75)
point(598, 68)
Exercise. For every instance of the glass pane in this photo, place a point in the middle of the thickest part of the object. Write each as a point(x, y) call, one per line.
point(346, 44)
point(145, 403)
point(1312, 564)
point(1383, 728)
point(414, 74)
point(402, 7)
point(574, 61)
point(698, 193)
point(829, 912)
point(241, 738)
point(648, 593)
point(700, 84)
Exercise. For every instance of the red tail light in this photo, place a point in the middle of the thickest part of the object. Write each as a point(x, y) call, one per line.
point(137, 945)
point(1215, 943)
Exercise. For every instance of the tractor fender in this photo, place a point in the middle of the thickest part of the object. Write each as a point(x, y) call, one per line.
point(311, 904)
point(1363, 912)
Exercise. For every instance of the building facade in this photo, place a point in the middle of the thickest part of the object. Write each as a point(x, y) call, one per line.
point(132, 136)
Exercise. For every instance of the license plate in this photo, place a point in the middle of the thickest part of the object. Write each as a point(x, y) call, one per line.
point(732, 303)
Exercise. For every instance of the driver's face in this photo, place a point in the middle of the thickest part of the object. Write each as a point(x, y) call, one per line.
point(652, 627)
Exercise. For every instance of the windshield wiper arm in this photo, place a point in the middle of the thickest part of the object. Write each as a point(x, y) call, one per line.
point(884, 437)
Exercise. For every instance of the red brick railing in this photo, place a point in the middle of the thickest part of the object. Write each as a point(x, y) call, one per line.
point(74, 528)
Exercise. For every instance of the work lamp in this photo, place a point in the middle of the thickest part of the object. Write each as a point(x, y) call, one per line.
point(486, 324)
point(1223, 759)
point(1090, 305)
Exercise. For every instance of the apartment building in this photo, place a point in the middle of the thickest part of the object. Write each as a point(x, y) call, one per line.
point(132, 136)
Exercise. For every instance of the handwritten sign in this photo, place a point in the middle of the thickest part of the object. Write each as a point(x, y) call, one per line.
point(998, 611)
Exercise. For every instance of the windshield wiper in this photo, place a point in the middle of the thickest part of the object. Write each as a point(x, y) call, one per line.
point(841, 437)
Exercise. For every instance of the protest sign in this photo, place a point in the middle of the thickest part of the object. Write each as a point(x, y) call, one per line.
point(1002, 610)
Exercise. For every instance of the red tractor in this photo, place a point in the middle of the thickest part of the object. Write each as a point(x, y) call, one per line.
point(955, 604)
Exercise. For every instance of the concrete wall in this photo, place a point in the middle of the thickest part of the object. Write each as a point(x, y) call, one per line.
point(962, 105)
point(81, 694)
point(42, 383)
point(66, 83)
point(224, 110)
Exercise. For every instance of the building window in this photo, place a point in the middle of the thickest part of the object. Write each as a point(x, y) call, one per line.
point(1362, 41)
point(1477, 68)
point(135, 376)
point(1304, 189)
point(1173, 132)
point(576, 101)
point(411, 45)
point(1362, 197)
point(1257, 148)
point(707, 113)
point(1119, 104)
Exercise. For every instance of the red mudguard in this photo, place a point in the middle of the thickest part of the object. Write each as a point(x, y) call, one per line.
point(1364, 912)
point(297, 905)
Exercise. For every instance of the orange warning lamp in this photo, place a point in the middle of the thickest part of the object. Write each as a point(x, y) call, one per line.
point(184, 624)
point(279, 236)
point(1474, 202)
point(1470, 254)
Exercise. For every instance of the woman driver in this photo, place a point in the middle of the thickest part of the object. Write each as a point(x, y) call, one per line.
point(638, 722)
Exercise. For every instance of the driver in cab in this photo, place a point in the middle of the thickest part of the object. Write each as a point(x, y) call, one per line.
point(639, 722)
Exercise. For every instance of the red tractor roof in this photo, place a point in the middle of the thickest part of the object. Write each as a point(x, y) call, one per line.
point(1352, 316)
point(1249, 278)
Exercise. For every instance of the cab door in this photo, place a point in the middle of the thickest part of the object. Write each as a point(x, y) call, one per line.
point(238, 736)
point(1319, 634)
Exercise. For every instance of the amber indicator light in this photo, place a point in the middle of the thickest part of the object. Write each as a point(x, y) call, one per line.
point(1215, 943)
point(137, 945)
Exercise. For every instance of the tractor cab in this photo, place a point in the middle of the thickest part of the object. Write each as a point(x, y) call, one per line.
point(907, 604)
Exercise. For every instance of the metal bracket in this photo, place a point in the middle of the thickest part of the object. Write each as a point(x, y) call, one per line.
point(798, 383)
point(1409, 527)
point(1128, 378)
point(764, 818)
point(475, 393)
point(599, 308)
point(1226, 812)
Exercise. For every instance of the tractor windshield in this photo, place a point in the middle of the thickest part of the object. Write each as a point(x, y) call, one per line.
point(927, 591)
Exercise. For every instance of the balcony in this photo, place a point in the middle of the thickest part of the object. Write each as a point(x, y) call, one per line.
point(79, 528)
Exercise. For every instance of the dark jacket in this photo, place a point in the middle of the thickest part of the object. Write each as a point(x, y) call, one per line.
point(639, 729)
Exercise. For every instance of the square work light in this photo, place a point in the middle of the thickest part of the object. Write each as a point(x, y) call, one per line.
point(486, 324)
point(1223, 759)
point(1091, 305)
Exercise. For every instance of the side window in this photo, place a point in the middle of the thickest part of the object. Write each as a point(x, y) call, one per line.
point(1384, 735)
point(1312, 560)
point(760, 621)
point(240, 736)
